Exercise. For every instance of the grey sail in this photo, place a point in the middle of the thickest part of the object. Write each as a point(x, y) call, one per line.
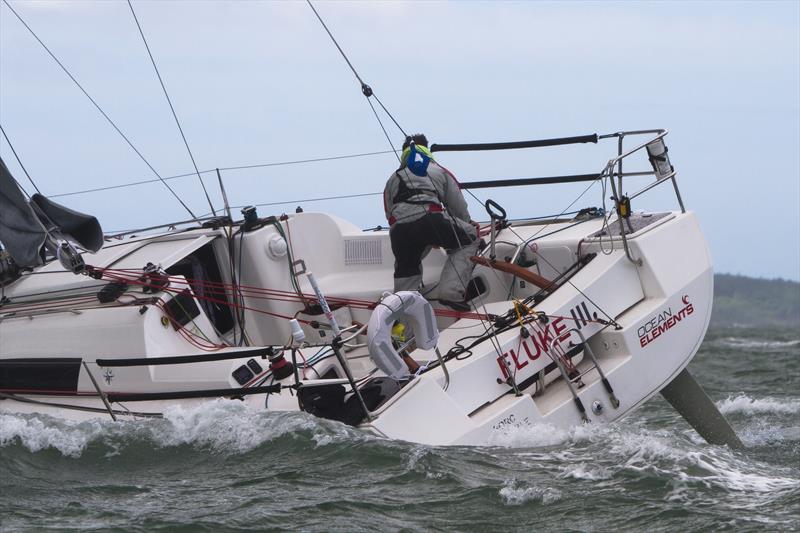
point(27, 229)
point(21, 232)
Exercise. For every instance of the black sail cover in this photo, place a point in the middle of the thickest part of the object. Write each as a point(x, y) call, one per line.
point(21, 232)
point(23, 223)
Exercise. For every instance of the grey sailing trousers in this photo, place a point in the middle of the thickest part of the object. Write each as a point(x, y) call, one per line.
point(410, 242)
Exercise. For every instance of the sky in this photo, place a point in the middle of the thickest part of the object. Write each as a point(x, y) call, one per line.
point(257, 82)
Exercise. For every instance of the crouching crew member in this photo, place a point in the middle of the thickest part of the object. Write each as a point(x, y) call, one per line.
point(425, 207)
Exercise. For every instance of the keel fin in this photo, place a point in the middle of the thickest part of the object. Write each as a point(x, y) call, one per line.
point(686, 395)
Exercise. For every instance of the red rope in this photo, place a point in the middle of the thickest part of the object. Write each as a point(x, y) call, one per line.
point(120, 275)
point(134, 277)
point(170, 290)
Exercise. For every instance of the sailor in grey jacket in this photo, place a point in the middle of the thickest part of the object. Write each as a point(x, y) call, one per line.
point(425, 208)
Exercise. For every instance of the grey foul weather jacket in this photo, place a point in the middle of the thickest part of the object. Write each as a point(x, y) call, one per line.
point(439, 186)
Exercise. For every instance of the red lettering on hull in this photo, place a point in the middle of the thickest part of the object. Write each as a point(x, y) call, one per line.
point(516, 360)
point(540, 341)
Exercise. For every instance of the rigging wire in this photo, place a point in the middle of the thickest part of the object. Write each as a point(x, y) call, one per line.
point(368, 92)
point(20, 164)
point(610, 318)
point(523, 241)
point(365, 89)
point(307, 200)
point(169, 101)
point(43, 226)
point(242, 167)
point(349, 64)
point(311, 160)
point(207, 216)
point(489, 329)
point(385, 133)
point(97, 106)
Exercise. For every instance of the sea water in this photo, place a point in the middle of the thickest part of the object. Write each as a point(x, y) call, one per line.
point(224, 468)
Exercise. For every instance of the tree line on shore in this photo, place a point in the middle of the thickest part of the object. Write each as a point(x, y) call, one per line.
point(741, 300)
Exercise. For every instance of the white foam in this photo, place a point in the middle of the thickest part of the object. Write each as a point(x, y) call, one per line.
point(537, 436)
point(417, 453)
point(737, 342)
point(763, 431)
point(423, 459)
point(640, 449)
point(687, 464)
point(514, 494)
point(327, 433)
point(586, 472)
point(732, 477)
point(708, 465)
point(222, 426)
point(69, 438)
point(747, 405)
point(643, 450)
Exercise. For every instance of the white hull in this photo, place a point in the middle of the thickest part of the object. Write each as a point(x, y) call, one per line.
point(574, 321)
point(673, 298)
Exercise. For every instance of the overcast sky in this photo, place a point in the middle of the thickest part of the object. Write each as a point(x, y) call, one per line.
point(259, 82)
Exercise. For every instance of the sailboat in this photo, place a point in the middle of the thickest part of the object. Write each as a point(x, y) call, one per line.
point(575, 318)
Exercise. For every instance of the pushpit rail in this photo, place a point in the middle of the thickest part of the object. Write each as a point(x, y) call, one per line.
point(657, 155)
point(662, 170)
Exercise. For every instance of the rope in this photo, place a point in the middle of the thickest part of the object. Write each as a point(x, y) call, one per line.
point(169, 101)
point(484, 231)
point(389, 114)
point(365, 89)
point(349, 64)
point(137, 281)
point(243, 167)
point(523, 241)
point(20, 164)
point(313, 160)
point(97, 106)
point(385, 133)
point(133, 277)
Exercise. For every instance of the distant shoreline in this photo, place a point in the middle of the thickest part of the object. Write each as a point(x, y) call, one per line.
point(746, 301)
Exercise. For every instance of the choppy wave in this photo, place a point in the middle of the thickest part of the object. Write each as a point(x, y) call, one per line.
point(634, 449)
point(222, 466)
point(514, 493)
point(749, 343)
point(37, 434)
point(747, 405)
point(537, 435)
point(539, 466)
point(219, 427)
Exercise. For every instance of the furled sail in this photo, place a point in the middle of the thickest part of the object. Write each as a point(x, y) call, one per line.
point(21, 232)
point(28, 229)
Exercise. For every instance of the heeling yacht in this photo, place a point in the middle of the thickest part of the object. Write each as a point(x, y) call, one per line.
point(575, 319)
